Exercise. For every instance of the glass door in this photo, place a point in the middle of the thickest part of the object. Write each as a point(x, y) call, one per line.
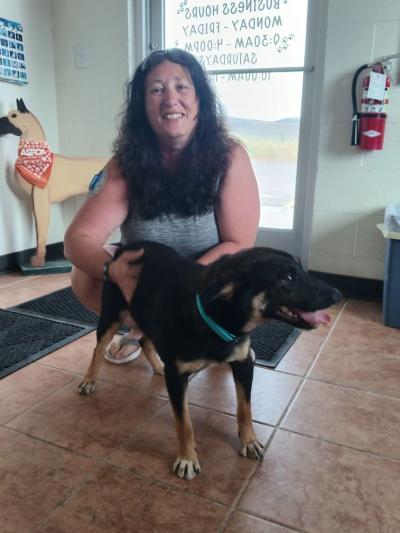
point(254, 51)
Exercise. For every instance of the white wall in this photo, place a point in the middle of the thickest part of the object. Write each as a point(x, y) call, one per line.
point(17, 230)
point(353, 187)
point(90, 98)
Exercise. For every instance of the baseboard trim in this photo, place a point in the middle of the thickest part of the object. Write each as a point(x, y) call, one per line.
point(11, 262)
point(352, 287)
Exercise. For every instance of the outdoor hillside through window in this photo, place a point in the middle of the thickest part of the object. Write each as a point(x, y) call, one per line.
point(239, 40)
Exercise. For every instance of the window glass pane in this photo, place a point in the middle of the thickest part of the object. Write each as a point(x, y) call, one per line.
point(263, 108)
point(238, 34)
point(264, 112)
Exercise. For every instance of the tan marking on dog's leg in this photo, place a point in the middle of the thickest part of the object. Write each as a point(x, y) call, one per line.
point(191, 367)
point(249, 445)
point(187, 464)
point(152, 357)
point(88, 385)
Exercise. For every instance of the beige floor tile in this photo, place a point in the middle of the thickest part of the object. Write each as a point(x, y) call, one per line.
point(363, 310)
point(363, 335)
point(6, 280)
point(138, 374)
point(243, 523)
point(319, 487)
point(117, 501)
point(17, 294)
point(214, 388)
point(374, 372)
point(25, 388)
point(74, 357)
point(35, 478)
point(302, 353)
point(152, 453)
point(346, 416)
point(95, 425)
point(50, 282)
point(335, 309)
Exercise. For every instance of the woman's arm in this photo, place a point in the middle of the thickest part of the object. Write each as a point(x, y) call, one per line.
point(98, 217)
point(238, 212)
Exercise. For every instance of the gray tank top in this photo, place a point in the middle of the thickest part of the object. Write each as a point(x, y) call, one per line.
point(190, 236)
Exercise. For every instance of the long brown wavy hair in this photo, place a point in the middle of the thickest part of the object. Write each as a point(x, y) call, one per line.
point(193, 188)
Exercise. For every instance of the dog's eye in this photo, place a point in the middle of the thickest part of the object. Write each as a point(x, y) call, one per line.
point(288, 278)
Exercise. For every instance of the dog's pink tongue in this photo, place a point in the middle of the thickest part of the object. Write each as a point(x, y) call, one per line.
point(315, 318)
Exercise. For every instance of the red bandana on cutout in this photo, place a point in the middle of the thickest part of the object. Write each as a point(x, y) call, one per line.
point(34, 162)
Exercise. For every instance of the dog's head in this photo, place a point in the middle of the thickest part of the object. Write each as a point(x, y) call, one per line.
point(261, 283)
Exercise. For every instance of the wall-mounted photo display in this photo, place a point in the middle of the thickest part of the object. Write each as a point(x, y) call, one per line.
point(12, 53)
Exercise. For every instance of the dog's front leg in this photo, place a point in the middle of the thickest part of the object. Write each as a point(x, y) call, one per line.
point(186, 464)
point(243, 376)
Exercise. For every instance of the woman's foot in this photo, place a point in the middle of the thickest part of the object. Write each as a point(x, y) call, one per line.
point(122, 349)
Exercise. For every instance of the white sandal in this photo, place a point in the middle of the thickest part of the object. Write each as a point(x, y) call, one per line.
point(123, 341)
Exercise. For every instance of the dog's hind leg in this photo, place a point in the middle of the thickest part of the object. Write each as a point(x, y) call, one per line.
point(152, 356)
point(187, 465)
point(243, 376)
point(88, 385)
point(110, 320)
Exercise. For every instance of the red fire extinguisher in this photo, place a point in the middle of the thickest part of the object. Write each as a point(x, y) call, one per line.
point(369, 125)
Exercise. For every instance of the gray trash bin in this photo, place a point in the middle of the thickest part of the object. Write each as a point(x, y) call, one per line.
point(391, 282)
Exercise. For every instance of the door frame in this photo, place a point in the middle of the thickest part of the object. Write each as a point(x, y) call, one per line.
point(149, 27)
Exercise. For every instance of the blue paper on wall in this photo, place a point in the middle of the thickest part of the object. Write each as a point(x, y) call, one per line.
point(12, 53)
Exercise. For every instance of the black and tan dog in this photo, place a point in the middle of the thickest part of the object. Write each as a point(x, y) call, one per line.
point(197, 315)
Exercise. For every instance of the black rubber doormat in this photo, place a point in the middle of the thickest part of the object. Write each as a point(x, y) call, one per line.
point(61, 305)
point(271, 340)
point(25, 338)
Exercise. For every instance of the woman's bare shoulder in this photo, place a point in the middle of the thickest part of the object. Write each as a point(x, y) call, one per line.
point(240, 169)
point(109, 183)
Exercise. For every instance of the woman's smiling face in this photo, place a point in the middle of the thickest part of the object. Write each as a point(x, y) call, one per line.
point(171, 102)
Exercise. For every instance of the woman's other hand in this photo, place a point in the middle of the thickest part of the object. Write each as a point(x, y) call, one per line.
point(125, 271)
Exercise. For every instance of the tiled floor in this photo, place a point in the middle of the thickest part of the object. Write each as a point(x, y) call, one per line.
point(329, 416)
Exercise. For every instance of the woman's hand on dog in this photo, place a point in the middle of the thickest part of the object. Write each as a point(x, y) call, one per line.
point(125, 272)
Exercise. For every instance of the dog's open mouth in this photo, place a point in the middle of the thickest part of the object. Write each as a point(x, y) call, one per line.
point(297, 317)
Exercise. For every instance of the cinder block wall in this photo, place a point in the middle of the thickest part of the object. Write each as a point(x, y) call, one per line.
point(354, 187)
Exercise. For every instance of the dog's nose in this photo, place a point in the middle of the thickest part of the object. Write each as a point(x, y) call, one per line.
point(337, 296)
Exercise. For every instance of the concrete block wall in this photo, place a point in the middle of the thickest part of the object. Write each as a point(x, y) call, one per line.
point(92, 65)
point(354, 187)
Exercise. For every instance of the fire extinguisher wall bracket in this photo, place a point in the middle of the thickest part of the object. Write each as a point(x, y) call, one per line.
point(356, 116)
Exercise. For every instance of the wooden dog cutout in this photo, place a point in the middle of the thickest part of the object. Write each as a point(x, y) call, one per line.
point(47, 177)
point(195, 315)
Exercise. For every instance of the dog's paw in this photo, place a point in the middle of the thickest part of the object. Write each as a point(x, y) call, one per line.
point(186, 469)
point(87, 387)
point(252, 450)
